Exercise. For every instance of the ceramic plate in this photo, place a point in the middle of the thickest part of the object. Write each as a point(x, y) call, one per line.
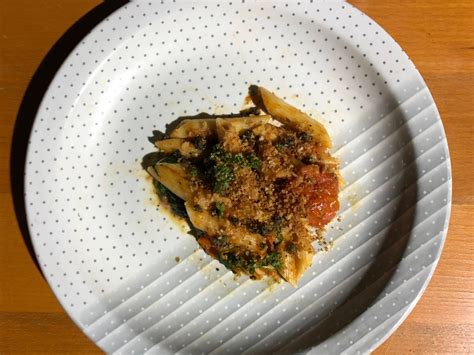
point(133, 280)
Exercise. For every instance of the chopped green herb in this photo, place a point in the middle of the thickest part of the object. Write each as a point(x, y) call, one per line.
point(225, 164)
point(285, 142)
point(231, 261)
point(193, 172)
point(279, 235)
point(235, 263)
point(248, 160)
point(253, 161)
point(273, 259)
point(251, 267)
point(220, 207)
point(223, 176)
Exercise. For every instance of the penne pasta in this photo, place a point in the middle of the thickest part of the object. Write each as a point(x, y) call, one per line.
point(303, 262)
point(294, 265)
point(215, 226)
point(288, 115)
point(288, 271)
point(185, 148)
point(174, 177)
point(193, 128)
point(267, 131)
point(241, 124)
point(204, 221)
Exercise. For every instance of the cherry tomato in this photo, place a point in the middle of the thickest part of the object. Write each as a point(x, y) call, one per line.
point(321, 191)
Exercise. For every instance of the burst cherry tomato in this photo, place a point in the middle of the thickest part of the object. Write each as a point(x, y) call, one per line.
point(321, 190)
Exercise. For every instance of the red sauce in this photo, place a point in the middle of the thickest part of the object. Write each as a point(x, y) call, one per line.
point(321, 191)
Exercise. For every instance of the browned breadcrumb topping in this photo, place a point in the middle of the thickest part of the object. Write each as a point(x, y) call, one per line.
point(267, 202)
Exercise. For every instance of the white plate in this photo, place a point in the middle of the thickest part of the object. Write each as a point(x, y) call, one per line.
point(109, 253)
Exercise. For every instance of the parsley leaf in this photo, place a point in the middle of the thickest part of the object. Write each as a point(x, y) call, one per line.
point(225, 164)
point(220, 208)
point(273, 259)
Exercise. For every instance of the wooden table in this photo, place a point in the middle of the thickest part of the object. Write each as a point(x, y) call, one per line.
point(438, 36)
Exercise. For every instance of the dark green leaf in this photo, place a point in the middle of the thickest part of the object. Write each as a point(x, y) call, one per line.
point(176, 204)
point(225, 164)
point(172, 158)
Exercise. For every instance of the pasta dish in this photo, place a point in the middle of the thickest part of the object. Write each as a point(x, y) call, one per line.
point(257, 187)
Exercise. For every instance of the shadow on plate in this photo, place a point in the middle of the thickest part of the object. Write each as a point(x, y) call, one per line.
point(32, 99)
point(372, 285)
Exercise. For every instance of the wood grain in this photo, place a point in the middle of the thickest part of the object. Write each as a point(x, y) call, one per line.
point(439, 38)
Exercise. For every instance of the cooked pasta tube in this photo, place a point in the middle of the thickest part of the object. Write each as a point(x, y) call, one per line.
point(194, 127)
point(174, 177)
point(288, 115)
point(185, 148)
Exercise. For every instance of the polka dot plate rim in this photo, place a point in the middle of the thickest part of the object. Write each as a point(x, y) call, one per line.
point(132, 280)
